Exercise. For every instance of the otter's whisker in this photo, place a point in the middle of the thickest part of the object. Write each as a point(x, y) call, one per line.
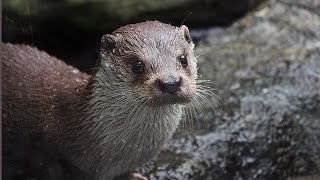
point(206, 81)
point(205, 99)
point(199, 55)
point(201, 109)
point(209, 91)
point(193, 108)
point(202, 100)
point(190, 116)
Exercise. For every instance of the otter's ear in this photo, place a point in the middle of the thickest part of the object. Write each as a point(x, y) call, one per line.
point(186, 34)
point(108, 42)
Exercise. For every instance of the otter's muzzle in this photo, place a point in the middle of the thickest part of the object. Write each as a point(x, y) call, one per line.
point(170, 84)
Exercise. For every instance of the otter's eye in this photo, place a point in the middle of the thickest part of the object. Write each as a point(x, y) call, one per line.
point(137, 67)
point(184, 61)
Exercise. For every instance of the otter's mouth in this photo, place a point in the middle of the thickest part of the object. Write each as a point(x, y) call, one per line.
point(167, 98)
point(167, 90)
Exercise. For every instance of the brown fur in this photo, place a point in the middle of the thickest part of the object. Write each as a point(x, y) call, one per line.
point(94, 121)
point(38, 93)
point(39, 88)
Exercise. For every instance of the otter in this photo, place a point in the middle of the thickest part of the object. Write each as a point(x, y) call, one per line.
point(114, 120)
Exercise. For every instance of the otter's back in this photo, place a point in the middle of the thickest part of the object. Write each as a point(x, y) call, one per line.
point(33, 84)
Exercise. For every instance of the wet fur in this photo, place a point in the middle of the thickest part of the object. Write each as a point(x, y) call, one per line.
point(107, 123)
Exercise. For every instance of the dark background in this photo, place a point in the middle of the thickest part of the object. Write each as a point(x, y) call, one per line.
point(71, 30)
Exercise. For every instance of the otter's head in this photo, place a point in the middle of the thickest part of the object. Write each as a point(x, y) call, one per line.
point(154, 59)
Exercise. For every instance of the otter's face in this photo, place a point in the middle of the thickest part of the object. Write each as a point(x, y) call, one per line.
point(156, 60)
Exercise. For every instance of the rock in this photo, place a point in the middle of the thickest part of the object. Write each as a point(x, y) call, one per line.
point(267, 67)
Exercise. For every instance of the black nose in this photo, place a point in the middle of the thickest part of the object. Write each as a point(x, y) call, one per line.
point(170, 84)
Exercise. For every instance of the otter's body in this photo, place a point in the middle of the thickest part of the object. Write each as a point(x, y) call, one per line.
point(37, 88)
point(39, 93)
point(115, 119)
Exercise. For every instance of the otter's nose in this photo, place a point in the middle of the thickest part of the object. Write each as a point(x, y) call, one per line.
point(170, 84)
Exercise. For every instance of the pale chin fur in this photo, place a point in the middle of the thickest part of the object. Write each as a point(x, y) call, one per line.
point(144, 129)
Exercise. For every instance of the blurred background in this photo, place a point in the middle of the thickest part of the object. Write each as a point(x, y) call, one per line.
point(263, 55)
point(71, 29)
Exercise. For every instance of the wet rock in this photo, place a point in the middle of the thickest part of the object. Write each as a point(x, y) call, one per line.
point(268, 126)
